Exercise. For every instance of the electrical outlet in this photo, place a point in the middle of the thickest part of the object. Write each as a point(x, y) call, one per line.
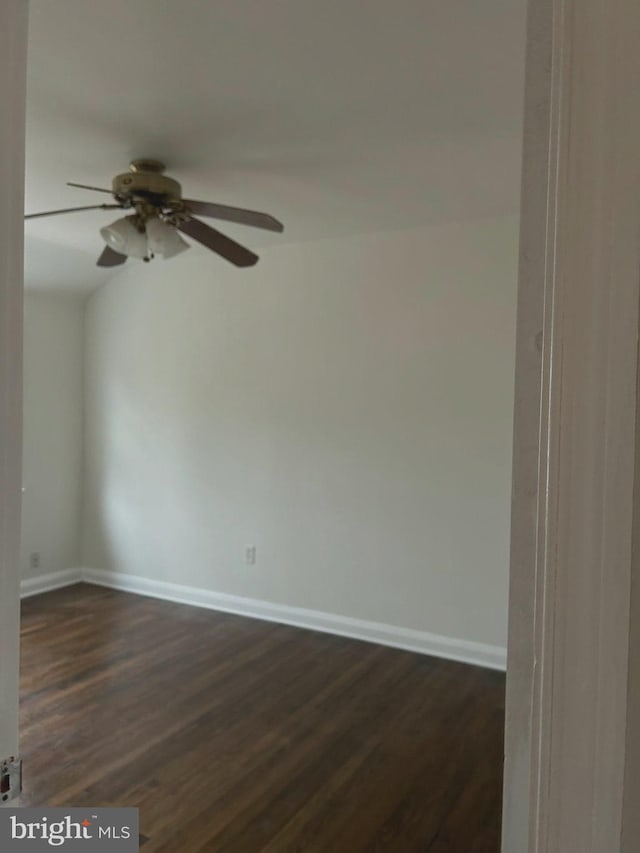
point(34, 560)
point(250, 555)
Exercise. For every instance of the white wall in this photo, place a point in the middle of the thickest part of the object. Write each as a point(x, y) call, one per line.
point(346, 406)
point(53, 431)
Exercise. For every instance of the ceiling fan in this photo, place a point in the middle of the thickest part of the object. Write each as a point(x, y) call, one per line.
point(160, 213)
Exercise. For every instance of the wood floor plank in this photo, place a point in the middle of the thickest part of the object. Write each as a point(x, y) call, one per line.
point(233, 735)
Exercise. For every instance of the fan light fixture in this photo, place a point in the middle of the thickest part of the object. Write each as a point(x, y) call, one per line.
point(163, 239)
point(123, 237)
point(157, 238)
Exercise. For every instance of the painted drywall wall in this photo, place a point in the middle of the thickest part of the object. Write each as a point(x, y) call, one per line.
point(345, 406)
point(53, 432)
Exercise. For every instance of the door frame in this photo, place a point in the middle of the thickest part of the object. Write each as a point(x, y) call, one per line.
point(13, 53)
point(570, 777)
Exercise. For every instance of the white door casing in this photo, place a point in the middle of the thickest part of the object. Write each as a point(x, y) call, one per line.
point(13, 53)
point(569, 717)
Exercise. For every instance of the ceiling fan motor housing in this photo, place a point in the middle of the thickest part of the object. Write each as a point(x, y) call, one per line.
point(146, 183)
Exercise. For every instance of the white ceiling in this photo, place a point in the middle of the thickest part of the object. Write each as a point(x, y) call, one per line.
point(339, 117)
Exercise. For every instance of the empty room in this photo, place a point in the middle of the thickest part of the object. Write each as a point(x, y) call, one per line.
point(268, 413)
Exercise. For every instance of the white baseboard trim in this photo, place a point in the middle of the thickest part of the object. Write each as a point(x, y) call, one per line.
point(45, 583)
point(492, 657)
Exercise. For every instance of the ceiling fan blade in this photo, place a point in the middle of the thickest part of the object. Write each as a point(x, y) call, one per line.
point(110, 258)
point(86, 187)
point(73, 209)
point(212, 239)
point(234, 214)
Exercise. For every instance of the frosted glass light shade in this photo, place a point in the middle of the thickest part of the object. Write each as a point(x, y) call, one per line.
point(123, 237)
point(164, 239)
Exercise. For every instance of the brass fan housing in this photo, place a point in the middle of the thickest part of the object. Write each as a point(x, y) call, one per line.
point(145, 182)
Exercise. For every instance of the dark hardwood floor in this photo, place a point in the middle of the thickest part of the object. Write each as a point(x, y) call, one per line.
point(240, 736)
